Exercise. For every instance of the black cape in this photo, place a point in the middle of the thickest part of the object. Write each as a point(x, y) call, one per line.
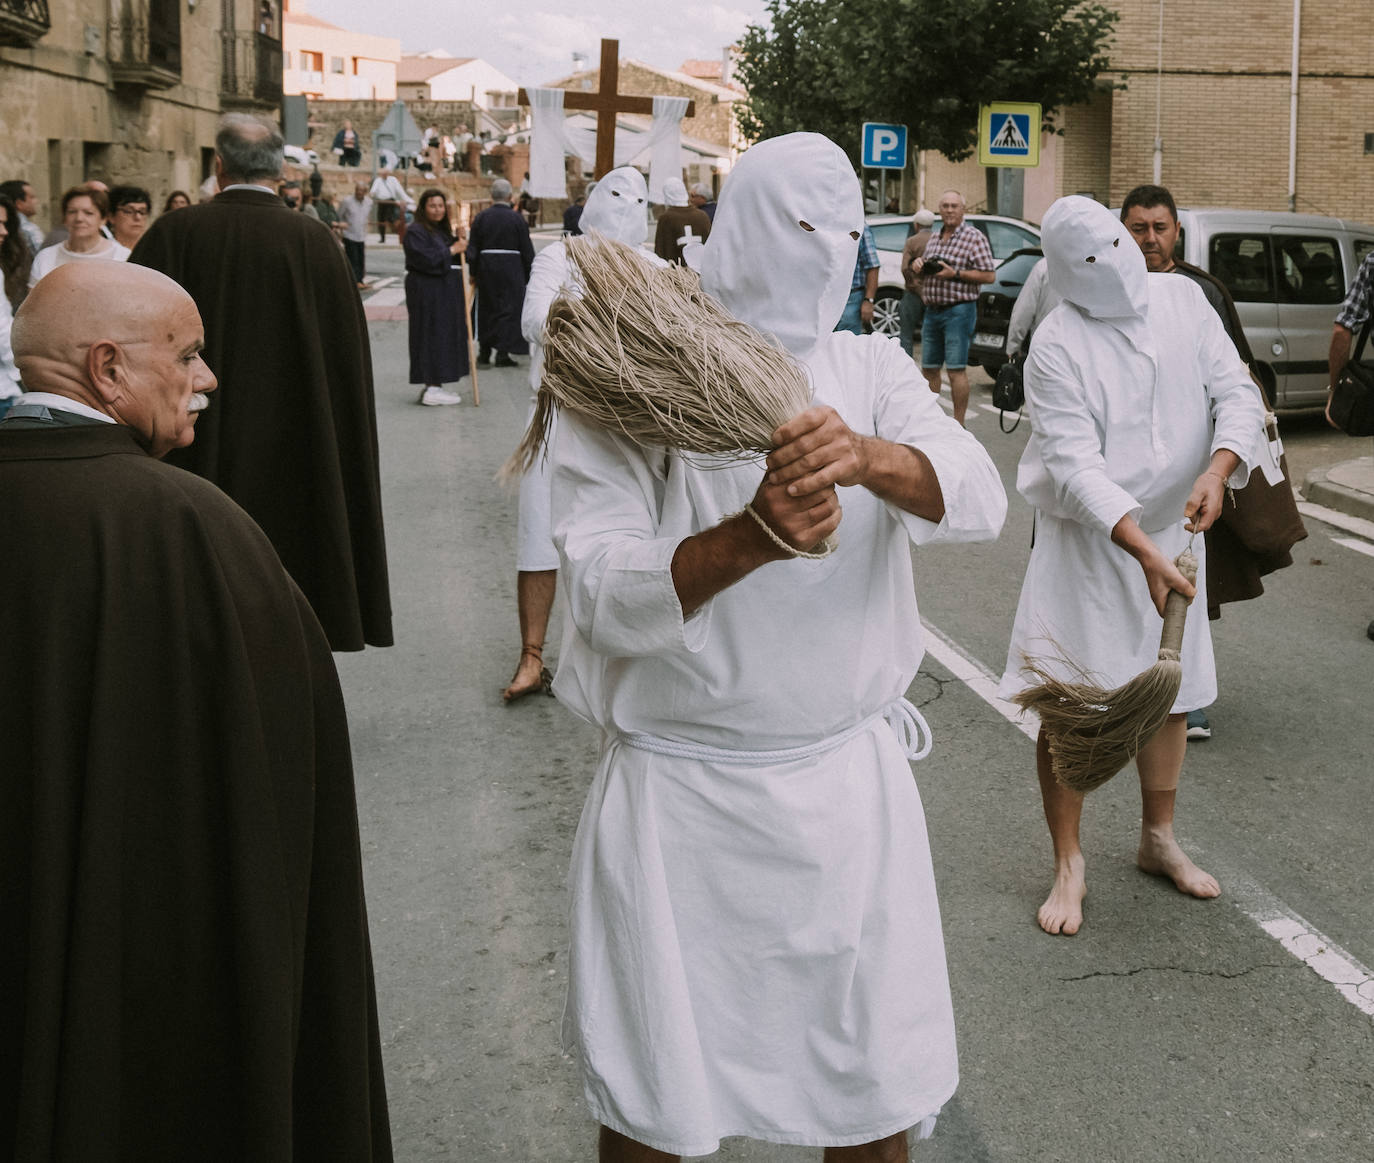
point(435, 306)
point(184, 967)
point(291, 434)
point(501, 276)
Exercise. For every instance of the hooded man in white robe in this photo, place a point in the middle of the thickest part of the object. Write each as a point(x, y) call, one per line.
point(756, 945)
point(617, 208)
point(1142, 416)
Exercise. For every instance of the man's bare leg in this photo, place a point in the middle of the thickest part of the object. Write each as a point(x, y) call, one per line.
point(1159, 762)
point(932, 375)
point(534, 590)
point(616, 1148)
point(1062, 911)
point(893, 1149)
point(959, 392)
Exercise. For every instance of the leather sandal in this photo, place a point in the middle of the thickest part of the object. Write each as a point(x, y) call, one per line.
point(545, 683)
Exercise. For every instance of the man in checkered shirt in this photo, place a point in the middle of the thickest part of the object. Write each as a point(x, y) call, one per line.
point(1359, 302)
point(950, 295)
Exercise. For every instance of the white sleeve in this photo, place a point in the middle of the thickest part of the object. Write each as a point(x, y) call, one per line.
point(616, 568)
point(1066, 441)
point(1027, 308)
point(547, 277)
point(1237, 412)
point(906, 412)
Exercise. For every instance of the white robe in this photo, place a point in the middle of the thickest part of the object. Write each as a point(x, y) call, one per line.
point(756, 947)
point(549, 275)
point(1118, 430)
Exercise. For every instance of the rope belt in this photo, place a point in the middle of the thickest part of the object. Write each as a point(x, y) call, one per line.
point(907, 723)
point(494, 250)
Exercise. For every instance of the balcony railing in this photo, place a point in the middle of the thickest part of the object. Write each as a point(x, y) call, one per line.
point(145, 43)
point(251, 69)
point(22, 22)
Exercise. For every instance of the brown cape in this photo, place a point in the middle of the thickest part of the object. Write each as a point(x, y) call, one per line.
point(291, 434)
point(184, 963)
point(1259, 524)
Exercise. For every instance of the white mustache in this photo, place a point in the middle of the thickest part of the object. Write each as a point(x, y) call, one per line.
point(199, 402)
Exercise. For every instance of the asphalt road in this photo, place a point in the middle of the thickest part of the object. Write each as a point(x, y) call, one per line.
point(1168, 1028)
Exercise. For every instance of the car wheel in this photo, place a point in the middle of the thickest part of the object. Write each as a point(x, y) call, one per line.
point(887, 314)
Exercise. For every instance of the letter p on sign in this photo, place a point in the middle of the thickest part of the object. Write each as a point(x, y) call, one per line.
point(884, 146)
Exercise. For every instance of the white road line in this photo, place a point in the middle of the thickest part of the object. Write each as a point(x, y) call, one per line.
point(979, 679)
point(391, 297)
point(1365, 547)
point(1350, 978)
point(378, 284)
point(1357, 525)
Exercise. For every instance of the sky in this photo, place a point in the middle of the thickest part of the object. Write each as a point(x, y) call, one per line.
point(533, 41)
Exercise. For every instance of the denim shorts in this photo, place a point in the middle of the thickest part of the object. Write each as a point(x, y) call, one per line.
point(945, 335)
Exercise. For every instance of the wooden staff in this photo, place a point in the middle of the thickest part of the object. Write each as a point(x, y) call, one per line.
point(468, 288)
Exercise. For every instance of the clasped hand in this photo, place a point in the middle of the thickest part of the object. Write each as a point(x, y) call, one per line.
point(813, 453)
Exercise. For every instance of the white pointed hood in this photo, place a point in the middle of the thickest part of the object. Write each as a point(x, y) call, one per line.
point(619, 207)
point(1094, 263)
point(785, 238)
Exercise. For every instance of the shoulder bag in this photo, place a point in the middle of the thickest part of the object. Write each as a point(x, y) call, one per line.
point(1009, 391)
point(1352, 396)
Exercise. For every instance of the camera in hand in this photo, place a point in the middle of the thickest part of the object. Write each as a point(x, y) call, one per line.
point(931, 266)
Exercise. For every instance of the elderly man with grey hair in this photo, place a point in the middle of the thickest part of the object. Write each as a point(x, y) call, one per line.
point(701, 198)
point(295, 442)
point(500, 254)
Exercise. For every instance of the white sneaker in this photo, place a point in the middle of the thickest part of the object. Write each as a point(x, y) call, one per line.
point(438, 398)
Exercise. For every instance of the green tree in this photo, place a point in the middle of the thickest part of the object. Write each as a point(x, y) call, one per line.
point(829, 65)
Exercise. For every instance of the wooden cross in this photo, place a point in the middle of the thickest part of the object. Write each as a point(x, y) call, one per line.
point(607, 102)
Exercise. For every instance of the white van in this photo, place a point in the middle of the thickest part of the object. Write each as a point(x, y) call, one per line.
point(1288, 274)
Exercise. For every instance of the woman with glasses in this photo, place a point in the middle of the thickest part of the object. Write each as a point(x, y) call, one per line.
point(130, 208)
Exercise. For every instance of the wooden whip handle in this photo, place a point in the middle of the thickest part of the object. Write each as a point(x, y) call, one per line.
point(1176, 610)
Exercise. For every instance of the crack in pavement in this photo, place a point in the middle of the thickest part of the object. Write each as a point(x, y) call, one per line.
point(1184, 969)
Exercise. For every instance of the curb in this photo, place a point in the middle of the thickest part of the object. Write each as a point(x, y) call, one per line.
point(1320, 489)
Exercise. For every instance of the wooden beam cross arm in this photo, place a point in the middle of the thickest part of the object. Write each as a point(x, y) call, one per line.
point(606, 102)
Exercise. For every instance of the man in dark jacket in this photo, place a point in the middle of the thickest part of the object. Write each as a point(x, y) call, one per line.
point(185, 970)
point(294, 440)
point(500, 255)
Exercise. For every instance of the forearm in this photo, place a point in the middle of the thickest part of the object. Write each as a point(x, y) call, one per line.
point(902, 476)
point(1223, 463)
point(871, 283)
point(715, 559)
point(1339, 353)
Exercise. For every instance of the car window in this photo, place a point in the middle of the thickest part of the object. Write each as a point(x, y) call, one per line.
point(890, 235)
point(1244, 263)
point(1309, 269)
point(1017, 269)
point(1362, 248)
point(1004, 238)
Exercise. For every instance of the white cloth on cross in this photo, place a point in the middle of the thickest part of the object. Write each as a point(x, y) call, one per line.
point(553, 137)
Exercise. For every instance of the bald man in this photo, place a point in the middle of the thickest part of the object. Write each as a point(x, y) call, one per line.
point(184, 966)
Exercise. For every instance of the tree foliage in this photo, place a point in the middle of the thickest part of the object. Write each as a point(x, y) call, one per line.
point(829, 65)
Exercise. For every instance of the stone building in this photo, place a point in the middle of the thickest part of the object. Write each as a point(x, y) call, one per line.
point(1217, 79)
point(128, 91)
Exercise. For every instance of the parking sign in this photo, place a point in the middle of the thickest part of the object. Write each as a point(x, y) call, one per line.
point(884, 146)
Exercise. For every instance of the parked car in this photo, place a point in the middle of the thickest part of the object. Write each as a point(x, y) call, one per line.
point(988, 347)
point(890, 232)
point(1287, 273)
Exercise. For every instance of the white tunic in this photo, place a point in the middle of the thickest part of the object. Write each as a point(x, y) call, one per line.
point(1118, 430)
point(756, 946)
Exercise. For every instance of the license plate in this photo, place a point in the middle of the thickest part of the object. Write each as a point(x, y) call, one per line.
point(985, 339)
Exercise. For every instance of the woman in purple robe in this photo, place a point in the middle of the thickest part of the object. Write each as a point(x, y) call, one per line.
point(435, 302)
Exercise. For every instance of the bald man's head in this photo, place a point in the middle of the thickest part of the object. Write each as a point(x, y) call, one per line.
point(122, 339)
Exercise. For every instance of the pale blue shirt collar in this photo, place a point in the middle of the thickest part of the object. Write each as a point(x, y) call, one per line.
point(64, 404)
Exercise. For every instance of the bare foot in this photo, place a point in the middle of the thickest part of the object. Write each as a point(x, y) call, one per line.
point(1160, 855)
point(1062, 911)
point(530, 675)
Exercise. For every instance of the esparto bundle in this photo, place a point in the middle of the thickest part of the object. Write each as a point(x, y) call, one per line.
point(643, 351)
point(1094, 732)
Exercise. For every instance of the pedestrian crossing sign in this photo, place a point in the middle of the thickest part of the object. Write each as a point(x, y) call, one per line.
point(1009, 134)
